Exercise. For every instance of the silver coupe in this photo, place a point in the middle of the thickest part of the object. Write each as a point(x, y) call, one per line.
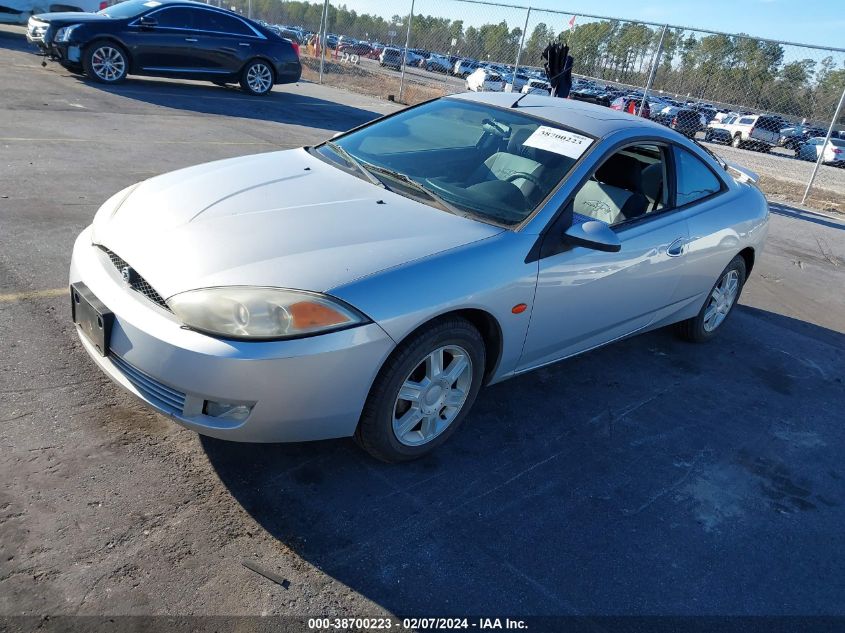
point(370, 285)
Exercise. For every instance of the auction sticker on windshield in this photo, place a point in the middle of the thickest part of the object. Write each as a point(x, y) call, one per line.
point(559, 141)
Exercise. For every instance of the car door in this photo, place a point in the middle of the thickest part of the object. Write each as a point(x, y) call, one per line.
point(588, 297)
point(227, 41)
point(700, 191)
point(165, 42)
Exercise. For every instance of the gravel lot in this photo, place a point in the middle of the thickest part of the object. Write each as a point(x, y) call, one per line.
point(650, 477)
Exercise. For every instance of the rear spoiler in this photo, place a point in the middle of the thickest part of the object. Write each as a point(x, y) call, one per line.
point(743, 174)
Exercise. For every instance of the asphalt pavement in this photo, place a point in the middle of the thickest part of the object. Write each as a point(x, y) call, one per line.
point(649, 477)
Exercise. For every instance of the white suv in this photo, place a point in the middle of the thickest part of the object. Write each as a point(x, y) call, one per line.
point(536, 87)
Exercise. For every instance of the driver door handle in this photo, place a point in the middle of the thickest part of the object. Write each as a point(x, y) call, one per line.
point(676, 248)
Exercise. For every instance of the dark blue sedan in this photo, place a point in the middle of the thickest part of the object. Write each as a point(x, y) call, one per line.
point(168, 39)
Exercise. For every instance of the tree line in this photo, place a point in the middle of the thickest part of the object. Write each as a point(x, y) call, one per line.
point(737, 70)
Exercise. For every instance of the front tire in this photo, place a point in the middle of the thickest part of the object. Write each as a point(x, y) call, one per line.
point(257, 78)
point(423, 392)
point(737, 141)
point(717, 307)
point(105, 62)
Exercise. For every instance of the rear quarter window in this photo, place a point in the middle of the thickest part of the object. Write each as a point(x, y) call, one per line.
point(695, 180)
point(220, 23)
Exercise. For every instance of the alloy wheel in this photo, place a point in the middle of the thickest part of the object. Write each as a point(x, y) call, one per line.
point(259, 78)
point(432, 395)
point(108, 63)
point(721, 300)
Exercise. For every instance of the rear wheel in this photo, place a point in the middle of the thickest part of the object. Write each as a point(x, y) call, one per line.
point(718, 305)
point(106, 62)
point(257, 78)
point(737, 141)
point(423, 392)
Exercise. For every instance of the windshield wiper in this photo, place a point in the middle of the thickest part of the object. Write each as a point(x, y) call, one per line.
point(349, 158)
point(413, 184)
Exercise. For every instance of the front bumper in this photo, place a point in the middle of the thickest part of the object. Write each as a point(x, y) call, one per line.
point(66, 52)
point(304, 389)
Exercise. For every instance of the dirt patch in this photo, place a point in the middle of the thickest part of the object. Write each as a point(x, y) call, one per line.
point(358, 79)
point(819, 199)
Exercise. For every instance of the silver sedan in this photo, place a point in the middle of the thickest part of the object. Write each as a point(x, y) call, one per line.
point(370, 285)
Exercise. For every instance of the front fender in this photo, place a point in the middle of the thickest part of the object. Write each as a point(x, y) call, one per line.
point(490, 275)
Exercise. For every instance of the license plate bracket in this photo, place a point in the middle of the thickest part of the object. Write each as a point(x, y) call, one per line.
point(92, 316)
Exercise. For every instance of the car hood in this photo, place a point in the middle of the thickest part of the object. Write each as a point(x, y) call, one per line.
point(71, 17)
point(284, 219)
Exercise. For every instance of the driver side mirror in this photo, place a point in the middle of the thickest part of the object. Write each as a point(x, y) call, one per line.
point(595, 235)
point(147, 22)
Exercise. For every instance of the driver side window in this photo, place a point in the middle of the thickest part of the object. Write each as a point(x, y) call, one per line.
point(627, 185)
point(175, 18)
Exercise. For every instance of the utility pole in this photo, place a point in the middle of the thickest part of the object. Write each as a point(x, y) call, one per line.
point(519, 50)
point(322, 37)
point(405, 52)
point(653, 72)
point(824, 147)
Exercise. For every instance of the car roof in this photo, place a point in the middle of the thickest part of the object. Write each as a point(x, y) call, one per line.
point(192, 3)
point(590, 118)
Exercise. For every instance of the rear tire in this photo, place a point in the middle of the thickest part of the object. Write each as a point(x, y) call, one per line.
point(394, 428)
point(106, 62)
point(257, 78)
point(718, 305)
point(737, 141)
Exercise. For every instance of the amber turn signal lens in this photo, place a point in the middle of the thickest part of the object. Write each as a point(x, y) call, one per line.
point(307, 315)
point(519, 308)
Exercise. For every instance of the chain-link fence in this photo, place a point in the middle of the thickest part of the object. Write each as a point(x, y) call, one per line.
point(769, 105)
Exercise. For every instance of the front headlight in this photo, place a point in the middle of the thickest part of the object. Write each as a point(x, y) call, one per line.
point(64, 33)
point(262, 313)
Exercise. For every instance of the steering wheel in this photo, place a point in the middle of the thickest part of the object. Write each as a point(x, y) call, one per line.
point(526, 176)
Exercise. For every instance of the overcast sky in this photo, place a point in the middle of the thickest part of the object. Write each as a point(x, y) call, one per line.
point(820, 22)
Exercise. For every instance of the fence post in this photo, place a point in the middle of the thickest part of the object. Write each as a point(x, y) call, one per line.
point(519, 50)
point(405, 52)
point(824, 147)
point(322, 36)
point(653, 72)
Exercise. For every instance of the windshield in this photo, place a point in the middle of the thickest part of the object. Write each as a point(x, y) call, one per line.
point(493, 164)
point(129, 9)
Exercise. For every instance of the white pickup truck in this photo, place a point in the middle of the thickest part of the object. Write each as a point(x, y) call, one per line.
point(760, 132)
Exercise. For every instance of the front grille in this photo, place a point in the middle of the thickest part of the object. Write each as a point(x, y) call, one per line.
point(161, 395)
point(36, 29)
point(137, 283)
